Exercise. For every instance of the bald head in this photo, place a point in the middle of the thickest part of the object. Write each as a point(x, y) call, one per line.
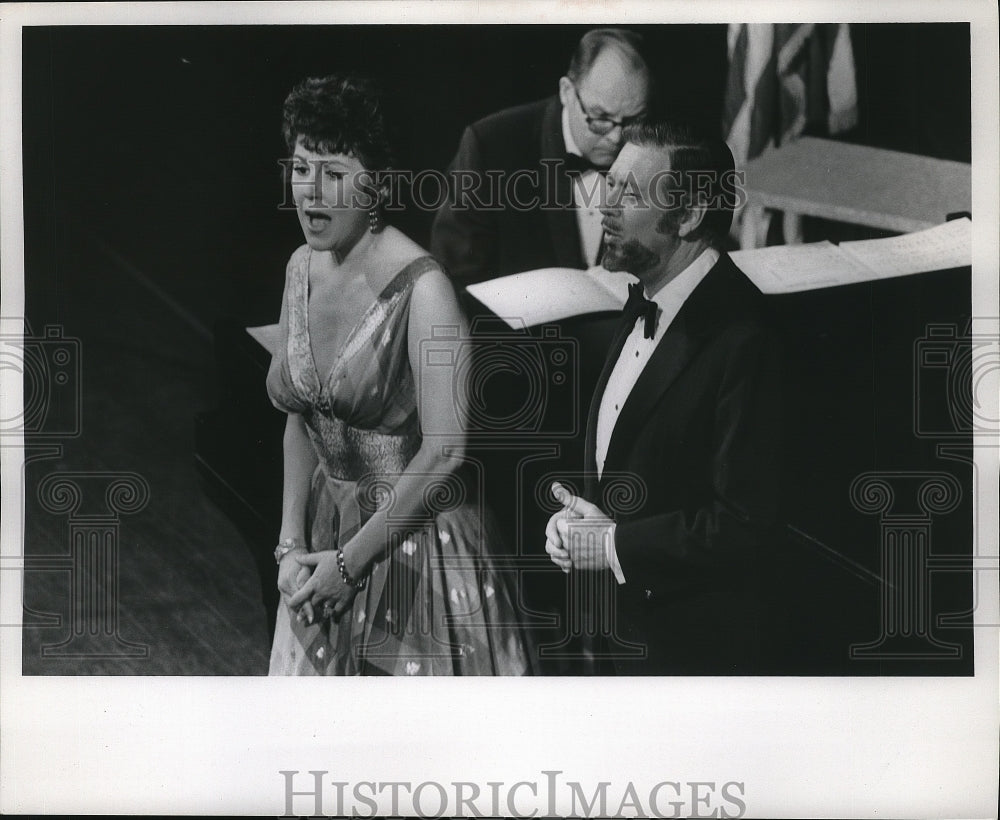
point(607, 86)
point(629, 45)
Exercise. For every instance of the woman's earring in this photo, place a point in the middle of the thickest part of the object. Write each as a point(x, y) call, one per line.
point(374, 220)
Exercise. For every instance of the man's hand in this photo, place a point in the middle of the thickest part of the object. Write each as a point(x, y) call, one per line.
point(579, 535)
point(554, 544)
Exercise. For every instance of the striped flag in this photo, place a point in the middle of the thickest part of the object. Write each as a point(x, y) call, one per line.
point(784, 78)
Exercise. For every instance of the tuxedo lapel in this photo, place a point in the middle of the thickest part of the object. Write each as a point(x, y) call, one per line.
point(563, 229)
point(718, 294)
point(590, 456)
point(676, 349)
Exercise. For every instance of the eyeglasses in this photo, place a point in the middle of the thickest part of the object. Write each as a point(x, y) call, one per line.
point(604, 125)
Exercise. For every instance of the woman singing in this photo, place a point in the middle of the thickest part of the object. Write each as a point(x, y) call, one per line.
point(384, 554)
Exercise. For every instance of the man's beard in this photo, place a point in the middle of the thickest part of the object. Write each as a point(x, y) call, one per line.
point(631, 257)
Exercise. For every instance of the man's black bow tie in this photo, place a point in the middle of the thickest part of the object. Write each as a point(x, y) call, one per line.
point(575, 164)
point(638, 305)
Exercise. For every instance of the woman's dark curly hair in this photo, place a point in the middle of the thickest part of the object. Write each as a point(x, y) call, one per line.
point(338, 114)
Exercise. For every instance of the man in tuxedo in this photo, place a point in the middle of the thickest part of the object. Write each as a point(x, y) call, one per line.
point(526, 180)
point(685, 416)
point(526, 186)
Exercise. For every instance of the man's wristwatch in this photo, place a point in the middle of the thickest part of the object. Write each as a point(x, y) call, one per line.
point(285, 546)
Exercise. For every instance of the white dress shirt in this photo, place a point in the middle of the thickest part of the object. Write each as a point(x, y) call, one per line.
point(634, 357)
point(588, 193)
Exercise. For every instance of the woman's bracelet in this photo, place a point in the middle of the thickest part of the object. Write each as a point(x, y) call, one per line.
point(358, 585)
point(285, 546)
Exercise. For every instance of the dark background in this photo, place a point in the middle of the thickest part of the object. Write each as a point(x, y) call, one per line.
point(151, 186)
point(164, 140)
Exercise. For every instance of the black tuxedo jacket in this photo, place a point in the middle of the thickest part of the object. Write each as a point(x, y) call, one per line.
point(523, 219)
point(698, 441)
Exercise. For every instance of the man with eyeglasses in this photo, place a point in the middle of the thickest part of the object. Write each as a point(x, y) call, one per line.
point(527, 181)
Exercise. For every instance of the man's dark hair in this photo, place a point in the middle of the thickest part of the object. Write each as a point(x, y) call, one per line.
point(338, 114)
point(699, 162)
point(592, 44)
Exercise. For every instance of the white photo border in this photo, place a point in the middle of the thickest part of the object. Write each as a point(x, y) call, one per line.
point(859, 747)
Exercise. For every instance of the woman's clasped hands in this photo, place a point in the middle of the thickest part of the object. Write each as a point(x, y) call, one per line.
point(313, 584)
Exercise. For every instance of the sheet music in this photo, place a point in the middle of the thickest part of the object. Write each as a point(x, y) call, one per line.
point(944, 246)
point(550, 294)
point(792, 268)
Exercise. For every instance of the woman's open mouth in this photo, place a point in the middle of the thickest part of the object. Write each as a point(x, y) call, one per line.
point(316, 220)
